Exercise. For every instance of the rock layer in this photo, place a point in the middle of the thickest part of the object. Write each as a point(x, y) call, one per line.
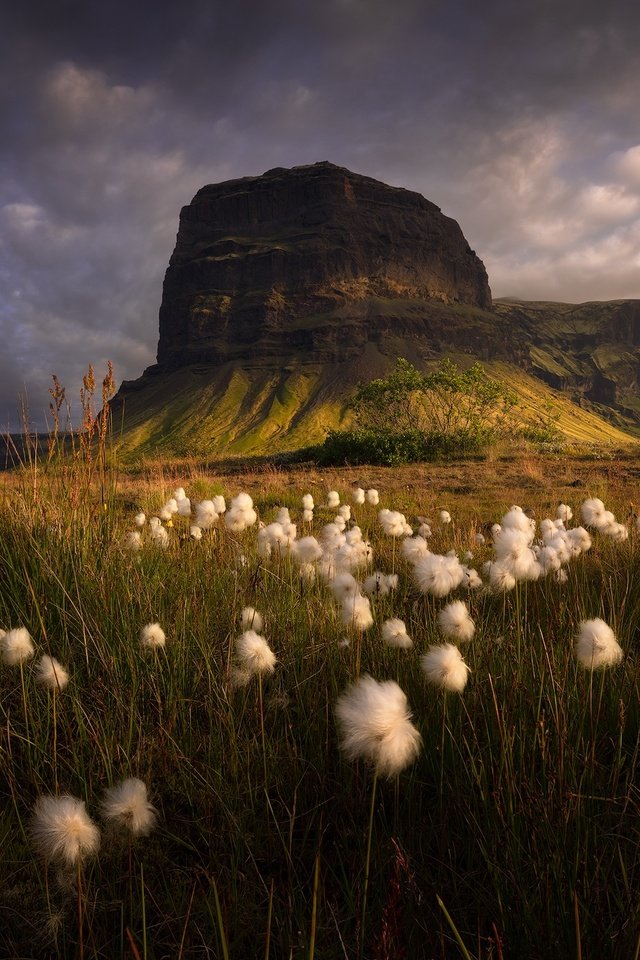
point(262, 264)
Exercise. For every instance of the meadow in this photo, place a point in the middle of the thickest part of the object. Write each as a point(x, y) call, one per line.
point(277, 802)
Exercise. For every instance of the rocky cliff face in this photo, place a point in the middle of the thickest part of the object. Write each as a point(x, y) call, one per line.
point(285, 290)
point(263, 264)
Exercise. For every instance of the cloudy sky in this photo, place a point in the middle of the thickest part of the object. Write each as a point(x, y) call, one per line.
point(520, 119)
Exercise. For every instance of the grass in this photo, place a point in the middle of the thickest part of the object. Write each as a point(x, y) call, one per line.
point(514, 834)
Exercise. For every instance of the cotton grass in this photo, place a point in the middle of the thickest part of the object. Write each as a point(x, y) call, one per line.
point(596, 645)
point(444, 667)
point(51, 674)
point(62, 830)
point(375, 725)
point(126, 806)
point(16, 647)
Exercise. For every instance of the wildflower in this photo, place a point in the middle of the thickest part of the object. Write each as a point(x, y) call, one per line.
point(376, 726)
point(16, 646)
point(372, 497)
point(564, 512)
point(358, 495)
point(152, 636)
point(179, 494)
point(437, 574)
point(307, 549)
point(251, 619)
point(357, 611)
point(445, 667)
point(394, 634)
point(424, 530)
point(472, 579)
point(480, 539)
point(592, 511)
point(307, 502)
point(344, 587)
point(51, 674)
point(345, 512)
point(307, 516)
point(63, 831)
point(254, 655)
point(206, 514)
point(133, 541)
point(240, 514)
point(126, 805)
point(184, 507)
point(445, 516)
point(596, 645)
point(414, 547)
point(394, 523)
point(139, 519)
point(333, 499)
point(195, 531)
point(380, 584)
point(501, 578)
point(219, 504)
point(454, 621)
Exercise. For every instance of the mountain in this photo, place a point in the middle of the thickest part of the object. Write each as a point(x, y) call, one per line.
point(285, 290)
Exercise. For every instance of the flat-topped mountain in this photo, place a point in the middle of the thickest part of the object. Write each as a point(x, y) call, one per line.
point(285, 290)
point(256, 258)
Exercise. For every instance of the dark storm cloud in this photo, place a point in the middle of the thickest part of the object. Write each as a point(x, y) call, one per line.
point(521, 120)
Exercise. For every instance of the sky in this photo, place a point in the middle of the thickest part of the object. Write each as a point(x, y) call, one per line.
point(520, 119)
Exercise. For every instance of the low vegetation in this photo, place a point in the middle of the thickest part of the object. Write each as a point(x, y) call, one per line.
point(411, 417)
point(197, 686)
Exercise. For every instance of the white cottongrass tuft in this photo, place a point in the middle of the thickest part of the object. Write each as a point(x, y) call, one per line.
point(380, 584)
point(16, 646)
point(152, 636)
point(126, 805)
point(307, 550)
point(358, 495)
point(394, 634)
point(307, 502)
point(596, 645)
point(455, 621)
point(345, 511)
point(133, 541)
point(445, 667)
point(63, 831)
point(51, 674)
point(206, 514)
point(356, 611)
point(240, 514)
point(375, 725)
point(394, 523)
point(140, 519)
point(414, 547)
point(373, 497)
point(564, 512)
point(252, 620)
point(438, 574)
point(254, 655)
point(445, 516)
point(333, 499)
point(195, 531)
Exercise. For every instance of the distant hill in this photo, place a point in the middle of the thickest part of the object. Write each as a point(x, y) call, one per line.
point(285, 290)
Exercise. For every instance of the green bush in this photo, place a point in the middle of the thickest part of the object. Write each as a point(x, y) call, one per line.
point(388, 449)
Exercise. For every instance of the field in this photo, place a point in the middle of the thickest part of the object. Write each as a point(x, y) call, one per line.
point(503, 824)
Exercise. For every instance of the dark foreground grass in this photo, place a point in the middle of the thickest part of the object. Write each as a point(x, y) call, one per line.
point(520, 817)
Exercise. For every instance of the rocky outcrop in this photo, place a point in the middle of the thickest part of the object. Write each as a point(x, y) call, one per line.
point(263, 264)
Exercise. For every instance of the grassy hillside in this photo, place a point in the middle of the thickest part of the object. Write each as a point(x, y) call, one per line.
point(238, 410)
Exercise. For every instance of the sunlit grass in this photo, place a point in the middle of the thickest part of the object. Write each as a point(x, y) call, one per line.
point(519, 814)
